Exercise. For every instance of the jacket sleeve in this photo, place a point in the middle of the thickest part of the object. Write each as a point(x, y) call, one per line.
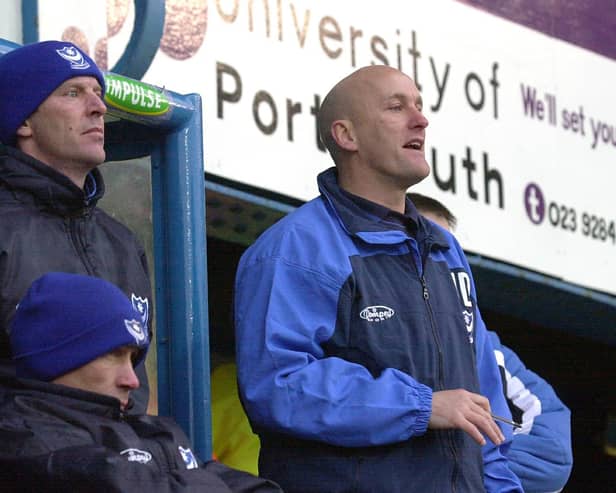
point(541, 453)
point(86, 468)
point(283, 312)
point(97, 469)
point(498, 474)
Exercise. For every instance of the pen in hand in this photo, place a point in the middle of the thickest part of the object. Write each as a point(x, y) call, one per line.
point(505, 420)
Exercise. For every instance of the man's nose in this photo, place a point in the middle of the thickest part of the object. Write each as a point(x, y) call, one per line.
point(418, 119)
point(96, 104)
point(128, 378)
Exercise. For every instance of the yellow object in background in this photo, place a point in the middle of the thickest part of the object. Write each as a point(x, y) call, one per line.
point(234, 442)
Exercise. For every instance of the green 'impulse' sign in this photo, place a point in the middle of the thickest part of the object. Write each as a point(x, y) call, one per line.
point(134, 97)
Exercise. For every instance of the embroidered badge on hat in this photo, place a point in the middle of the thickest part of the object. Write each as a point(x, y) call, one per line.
point(135, 329)
point(74, 56)
point(142, 305)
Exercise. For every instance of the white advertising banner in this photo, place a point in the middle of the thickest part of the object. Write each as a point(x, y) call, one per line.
point(522, 135)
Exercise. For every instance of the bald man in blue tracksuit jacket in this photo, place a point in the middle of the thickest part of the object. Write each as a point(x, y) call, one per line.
point(346, 326)
point(363, 362)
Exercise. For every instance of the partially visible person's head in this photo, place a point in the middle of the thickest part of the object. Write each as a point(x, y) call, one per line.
point(433, 210)
point(51, 105)
point(373, 119)
point(78, 331)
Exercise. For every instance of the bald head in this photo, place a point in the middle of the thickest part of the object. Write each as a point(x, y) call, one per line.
point(337, 105)
point(374, 127)
point(345, 99)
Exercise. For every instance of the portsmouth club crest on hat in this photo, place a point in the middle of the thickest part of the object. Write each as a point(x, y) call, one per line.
point(136, 330)
point(74, 56)
point(142, 305)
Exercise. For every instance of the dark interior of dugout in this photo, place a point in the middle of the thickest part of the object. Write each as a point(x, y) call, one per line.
point(565, 334)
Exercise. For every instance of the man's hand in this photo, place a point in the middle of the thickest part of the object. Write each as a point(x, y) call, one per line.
point(466, 411)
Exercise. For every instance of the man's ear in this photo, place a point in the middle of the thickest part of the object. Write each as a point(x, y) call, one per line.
point(24, 130)
point(344, 134)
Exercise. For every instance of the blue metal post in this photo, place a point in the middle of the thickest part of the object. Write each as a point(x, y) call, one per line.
point(29, 21)
point(181, 280)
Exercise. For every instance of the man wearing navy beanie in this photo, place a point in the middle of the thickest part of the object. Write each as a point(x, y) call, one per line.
point(32, 73)
point(63, 422)
point(51, 142)
point(79, 331)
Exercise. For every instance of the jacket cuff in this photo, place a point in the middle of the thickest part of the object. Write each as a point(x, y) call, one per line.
point(423, 411)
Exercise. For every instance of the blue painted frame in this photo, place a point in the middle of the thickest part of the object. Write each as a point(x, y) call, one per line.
point(175, 143)
point(29, 22)
point(144, 40)
point(178, 193)
point(141, 48)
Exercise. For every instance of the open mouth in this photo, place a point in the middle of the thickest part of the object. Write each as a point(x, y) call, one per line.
point(415, 144)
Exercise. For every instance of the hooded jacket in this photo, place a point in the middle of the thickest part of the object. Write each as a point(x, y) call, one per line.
point(346, 325)
point(47, 223)
point(59, 439)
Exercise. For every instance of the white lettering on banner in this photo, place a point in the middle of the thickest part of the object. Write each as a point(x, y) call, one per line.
point(138, 95)
point(517, 124)
point(231, 93)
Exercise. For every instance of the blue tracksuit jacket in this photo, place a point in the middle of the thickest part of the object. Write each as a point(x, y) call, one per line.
point(345, 326)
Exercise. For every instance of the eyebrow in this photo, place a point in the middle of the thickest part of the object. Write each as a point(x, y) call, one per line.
point(128, 348)
point(80, 85)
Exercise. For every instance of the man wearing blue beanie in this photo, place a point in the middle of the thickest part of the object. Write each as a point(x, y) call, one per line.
point(51, 142)
point(79, 331)
point(63, 421)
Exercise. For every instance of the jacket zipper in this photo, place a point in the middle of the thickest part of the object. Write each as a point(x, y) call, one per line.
point(77, 239)
point(426, 297)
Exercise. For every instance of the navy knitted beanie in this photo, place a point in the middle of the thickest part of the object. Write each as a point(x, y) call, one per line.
point(67, 320)
point(28, 75)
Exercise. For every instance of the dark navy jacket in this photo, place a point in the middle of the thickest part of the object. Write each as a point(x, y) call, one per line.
point(58, 439)
point(345, 327)
point(47, 223)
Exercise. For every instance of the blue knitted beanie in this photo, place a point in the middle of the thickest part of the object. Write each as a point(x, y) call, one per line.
point(67, 320)
point(28, 75)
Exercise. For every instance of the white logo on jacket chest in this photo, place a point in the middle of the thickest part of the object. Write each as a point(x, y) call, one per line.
point(188, 458)
point(377, 313)
point(136, 455)
point(462, 282)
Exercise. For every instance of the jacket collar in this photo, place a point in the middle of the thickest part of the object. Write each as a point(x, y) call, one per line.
point(368, 221)
point(61, 395)
point(49, 188)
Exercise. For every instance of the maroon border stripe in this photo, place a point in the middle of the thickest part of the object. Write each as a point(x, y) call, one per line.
point(590, 24)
